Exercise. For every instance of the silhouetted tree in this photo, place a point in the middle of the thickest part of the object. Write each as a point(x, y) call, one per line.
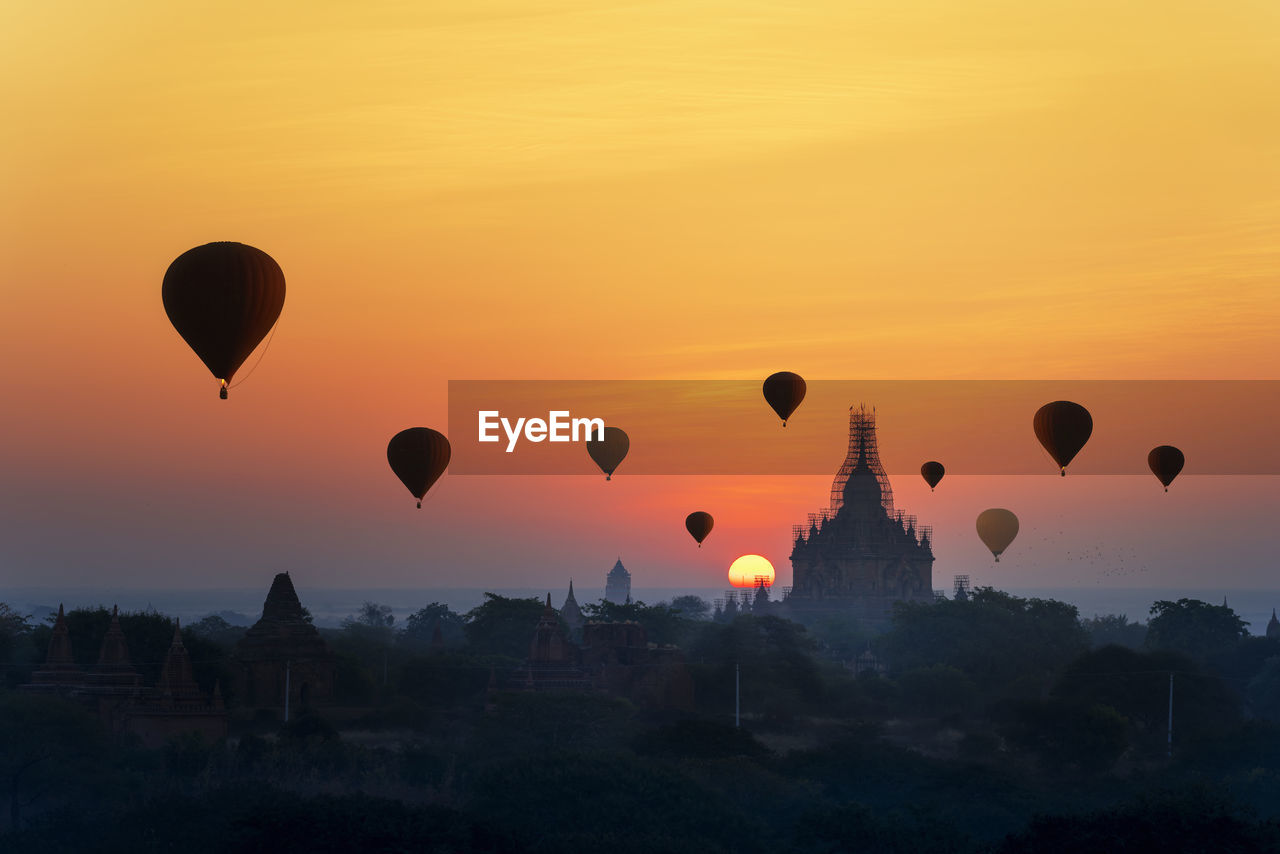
point(1070, 733)
point(15, 642)
point(502, 625)
point(779, 674)
point(936, 690)
point(1136, 685)
point(1115, 629)
point(371, 615)
point(691, 607)
point(1007, 645)
point(1194, 628)
point(46, 746)
point(662, 623)
point(421, 625)
point(1263, 692)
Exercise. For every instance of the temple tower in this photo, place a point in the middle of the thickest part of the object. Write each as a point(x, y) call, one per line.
point(60, 667)
point(617, 587)
point(283, 649)
point(861, 555)
point(572, 614)
point(114, 669)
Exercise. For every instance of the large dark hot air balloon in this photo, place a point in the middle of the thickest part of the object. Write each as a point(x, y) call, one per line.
point(699, 524)
point(223, 298)
point(1063, 427)
point(1165, 461)
point(610, 451)
point(783, 391)
point(997, 528)
point(418, 456)
point(932, 472)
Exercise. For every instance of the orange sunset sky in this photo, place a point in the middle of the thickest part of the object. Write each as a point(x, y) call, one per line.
point(918, 189)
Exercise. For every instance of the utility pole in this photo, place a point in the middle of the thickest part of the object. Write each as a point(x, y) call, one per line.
point(286, 690)
point(1170, 714)
point(737, 695)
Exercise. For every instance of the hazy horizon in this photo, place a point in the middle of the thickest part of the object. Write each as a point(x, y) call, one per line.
point(330, 605)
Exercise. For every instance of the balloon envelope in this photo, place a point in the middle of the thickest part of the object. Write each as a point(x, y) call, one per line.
point(1063, 427)
point(610, 451)
point(223, 298)
point(783, 391)
point(418, 456)
point(699, 524)
point(932, 473)
point(997, 528)
point(1165, 461)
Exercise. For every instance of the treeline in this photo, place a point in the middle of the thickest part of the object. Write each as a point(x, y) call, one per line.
point(992, 724)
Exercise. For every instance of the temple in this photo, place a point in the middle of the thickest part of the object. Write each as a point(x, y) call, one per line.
point(614, 658)
point(113, 689)
point(617, 586)
point(283, 655)
point(572, 614)
point(860, 556)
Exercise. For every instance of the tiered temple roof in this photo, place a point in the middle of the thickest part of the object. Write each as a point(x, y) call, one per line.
point(59, 664)
point(114, 669)
point(113, 688)
point(283, 630)
point(571, 613)
point(283, 652)
point(176, 684)
point(860, 555)
point(617, 587)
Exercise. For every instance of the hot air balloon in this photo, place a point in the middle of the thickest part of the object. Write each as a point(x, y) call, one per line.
point(223, 298)
point(1165, 462)
point(1063, 427)
point(610, 451)
point(699, 524)
point(418, 456)
point(784, 391)
point(996, 529)
point(932, 472)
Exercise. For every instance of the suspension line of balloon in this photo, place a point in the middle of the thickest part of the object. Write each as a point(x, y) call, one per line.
point(261, 353)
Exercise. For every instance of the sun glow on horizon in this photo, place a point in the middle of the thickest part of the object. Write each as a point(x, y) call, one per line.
point(748, 570)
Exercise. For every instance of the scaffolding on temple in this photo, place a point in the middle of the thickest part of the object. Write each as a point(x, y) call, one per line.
point(862, 443)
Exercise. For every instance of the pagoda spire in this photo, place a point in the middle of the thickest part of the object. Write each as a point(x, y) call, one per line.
point(282, 603)
point(572, 614)
point(60, 662)
point(60, 656)
point(114, 653)
point(176, 680)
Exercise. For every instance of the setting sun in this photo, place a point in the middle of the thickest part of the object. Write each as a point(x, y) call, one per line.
point(749, 570)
